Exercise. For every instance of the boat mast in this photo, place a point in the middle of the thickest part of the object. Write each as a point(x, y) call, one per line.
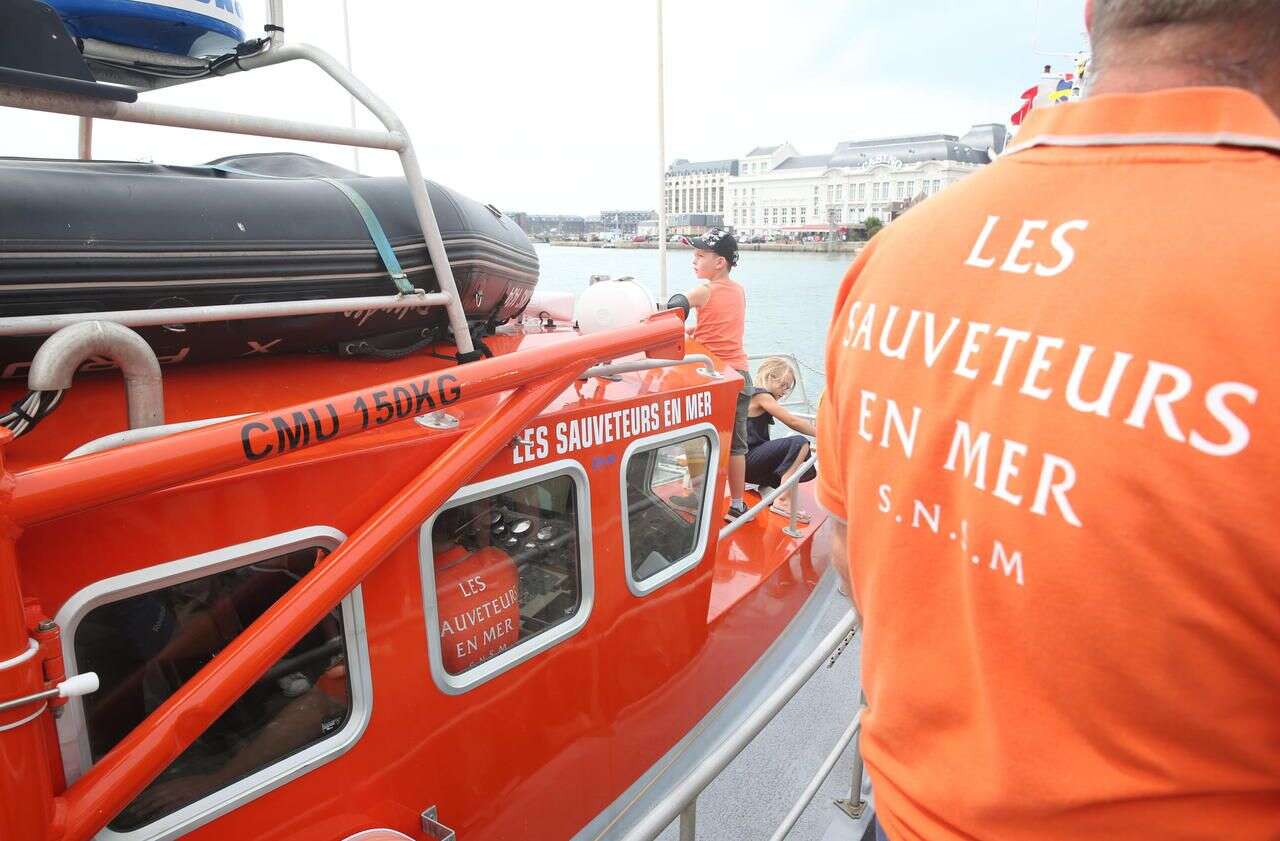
point(662, 174)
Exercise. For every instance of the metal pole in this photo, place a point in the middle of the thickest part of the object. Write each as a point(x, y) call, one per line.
point(43, 325)
point(351, 100)
point(792, 530)
point(86, 138)
point(854, 806)
point(789, 822)
point(662, 171)
point(196, 118)
point(26, 792)
point(689, 822)
point(768, 498)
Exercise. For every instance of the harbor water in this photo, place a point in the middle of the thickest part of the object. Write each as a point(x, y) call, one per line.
point(790, 296)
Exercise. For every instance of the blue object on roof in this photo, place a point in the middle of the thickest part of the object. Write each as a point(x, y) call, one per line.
point(180, 27)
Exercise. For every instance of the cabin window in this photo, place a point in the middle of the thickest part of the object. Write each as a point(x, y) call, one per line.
point(148, 633)
point(666, 483)
point(506, 572)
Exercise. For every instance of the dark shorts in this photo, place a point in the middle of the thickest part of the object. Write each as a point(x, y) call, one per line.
point(768, 460)
point(738, 447)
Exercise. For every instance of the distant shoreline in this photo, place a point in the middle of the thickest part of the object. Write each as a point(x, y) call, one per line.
point(811, 247)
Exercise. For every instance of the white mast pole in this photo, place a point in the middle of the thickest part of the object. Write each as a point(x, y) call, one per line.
point(351, 100)
point(662, 174)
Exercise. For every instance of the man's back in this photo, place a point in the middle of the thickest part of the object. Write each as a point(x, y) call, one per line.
point(1049, 426)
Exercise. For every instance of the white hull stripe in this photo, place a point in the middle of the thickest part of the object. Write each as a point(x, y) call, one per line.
point(1223, 138)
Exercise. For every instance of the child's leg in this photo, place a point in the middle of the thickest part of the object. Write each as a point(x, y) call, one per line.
point(738, 448)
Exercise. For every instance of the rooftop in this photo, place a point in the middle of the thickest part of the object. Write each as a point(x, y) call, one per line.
point(685, 167)
point(805, 161)
point(908, 149)
point(763, 150)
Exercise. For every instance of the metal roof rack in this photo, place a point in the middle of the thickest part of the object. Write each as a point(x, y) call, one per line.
point(65, 88)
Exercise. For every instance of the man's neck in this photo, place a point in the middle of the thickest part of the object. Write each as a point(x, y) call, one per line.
point(1174, 57)
point(720, 278)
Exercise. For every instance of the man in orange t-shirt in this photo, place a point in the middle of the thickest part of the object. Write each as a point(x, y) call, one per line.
point(1048, 432)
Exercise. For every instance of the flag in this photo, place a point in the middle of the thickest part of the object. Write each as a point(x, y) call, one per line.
point(1028, 97)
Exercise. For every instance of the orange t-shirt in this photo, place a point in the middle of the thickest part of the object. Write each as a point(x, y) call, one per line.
point(722, 321)
point(1048, 425)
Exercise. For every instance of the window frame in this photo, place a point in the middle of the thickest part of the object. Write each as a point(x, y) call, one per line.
point(452, 684)
point(678, 568)
point(73, 733)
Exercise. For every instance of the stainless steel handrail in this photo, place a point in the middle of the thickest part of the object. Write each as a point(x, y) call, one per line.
point(39, 325)
point(791, 484)
point(708, 368)
point(684, 796)
point(828, 764)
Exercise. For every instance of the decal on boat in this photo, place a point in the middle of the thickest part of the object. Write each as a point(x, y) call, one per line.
point(570, 436)
point(283, 433)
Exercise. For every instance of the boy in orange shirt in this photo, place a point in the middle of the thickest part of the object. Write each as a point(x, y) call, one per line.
point(722, 307)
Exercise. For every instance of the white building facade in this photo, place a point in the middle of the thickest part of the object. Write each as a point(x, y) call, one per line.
point(698, 186)
point(777, 191)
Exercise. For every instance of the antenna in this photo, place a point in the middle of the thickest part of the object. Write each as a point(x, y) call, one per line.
point(1035, 38)
point(351, 100)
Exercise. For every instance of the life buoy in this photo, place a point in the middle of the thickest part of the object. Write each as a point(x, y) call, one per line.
point(478, 596)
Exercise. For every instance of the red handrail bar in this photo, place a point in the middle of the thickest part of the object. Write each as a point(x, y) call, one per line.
point(90, 803)
point(53, 490)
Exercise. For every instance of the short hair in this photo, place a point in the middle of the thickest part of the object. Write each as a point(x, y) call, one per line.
point(1115, 16)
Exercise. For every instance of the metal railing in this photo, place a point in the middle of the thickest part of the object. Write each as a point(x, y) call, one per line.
point(394, 138)
point(682, 802)
point(708, 368)
point(793, 485)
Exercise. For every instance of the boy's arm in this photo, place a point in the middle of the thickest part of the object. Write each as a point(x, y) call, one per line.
point(699, 295)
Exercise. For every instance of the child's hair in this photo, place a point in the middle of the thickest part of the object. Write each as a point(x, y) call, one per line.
point(775, 368)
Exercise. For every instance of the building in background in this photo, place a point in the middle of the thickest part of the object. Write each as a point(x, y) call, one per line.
point(692, 224)
point(697, 187)
point(550, 224)
point(779, 192)
point(624, 221)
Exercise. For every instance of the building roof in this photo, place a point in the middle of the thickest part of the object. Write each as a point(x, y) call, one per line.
point(908, 149)
point(763, 150)
point(684, 167)
point(805, 162)
point(986, 136)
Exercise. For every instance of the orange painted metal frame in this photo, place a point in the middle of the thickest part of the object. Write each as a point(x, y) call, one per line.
point(51, 490)
point(63, 488)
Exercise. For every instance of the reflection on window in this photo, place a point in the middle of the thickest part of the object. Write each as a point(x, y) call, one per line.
point(666, 487)
point(507, 568)
point(147, 646)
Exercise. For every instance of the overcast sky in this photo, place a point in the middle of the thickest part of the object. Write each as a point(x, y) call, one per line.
point(551, 107)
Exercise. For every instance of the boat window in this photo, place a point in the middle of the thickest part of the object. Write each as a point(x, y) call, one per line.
point(144, 647)
point(507, 573)
point(668, 498)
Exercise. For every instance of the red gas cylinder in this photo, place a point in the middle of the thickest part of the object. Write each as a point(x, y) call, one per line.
point(478, 594)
